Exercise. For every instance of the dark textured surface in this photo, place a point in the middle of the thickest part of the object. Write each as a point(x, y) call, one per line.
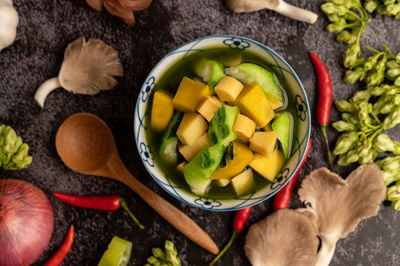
point(45, 29)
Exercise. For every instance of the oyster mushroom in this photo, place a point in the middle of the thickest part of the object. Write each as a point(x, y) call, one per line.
point(339, 205)
point(240, 6)
point(334, 208)
point(88, 68)
point(286, 237)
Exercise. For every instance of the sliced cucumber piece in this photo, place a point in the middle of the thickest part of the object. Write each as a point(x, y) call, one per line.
point(283, 127)
point(200, 168)
point(243, 183)
point(248, 72)
point(168, 147)
point(210, 71)
point(221, 125)
point(118, 253)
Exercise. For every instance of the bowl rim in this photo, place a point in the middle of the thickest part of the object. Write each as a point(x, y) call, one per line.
point(263, 46)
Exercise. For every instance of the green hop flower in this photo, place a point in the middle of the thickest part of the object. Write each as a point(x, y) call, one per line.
point(346, 37)
point(392, 64)
point(352, 76)
point(345, 106)
point(393, 192)
point(346, 142)
point(393, 9)
point(371, 5)
point(350, 58)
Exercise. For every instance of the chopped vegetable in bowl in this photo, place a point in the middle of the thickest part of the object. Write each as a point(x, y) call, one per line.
point(225, 129)
point(224, 91)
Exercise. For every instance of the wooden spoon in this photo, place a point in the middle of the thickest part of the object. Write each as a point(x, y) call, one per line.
point(86, 145)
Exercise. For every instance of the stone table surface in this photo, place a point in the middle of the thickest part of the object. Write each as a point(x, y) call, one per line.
point(45, 29)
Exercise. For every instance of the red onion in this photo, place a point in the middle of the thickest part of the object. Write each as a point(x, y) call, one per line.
point(26, 222)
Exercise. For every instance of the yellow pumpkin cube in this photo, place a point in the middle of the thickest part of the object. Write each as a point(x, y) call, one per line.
point(161, 111)
point(208, 107)
point(228, 89)
point(268, 127)
point(254, 104)
point(191, 128)
point(244, 127)
point(222, 182)
point(268, 167)
point(190, 93)
point(242, 156)
point(263, 142)
point(181, 166)
point(189, 151)
point(243, 183)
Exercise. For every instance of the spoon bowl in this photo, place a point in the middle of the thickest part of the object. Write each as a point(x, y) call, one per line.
point(86, 145)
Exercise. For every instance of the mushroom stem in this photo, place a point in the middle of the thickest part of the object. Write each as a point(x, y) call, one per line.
point(325, 254)
point(296, 12)
point(44, 89)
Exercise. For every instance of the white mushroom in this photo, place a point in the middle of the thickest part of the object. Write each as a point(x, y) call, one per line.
point(340, 205)
point(279, 6)
point(334, 209)
point(8, 23)
point(285, 238)
point(88, 68)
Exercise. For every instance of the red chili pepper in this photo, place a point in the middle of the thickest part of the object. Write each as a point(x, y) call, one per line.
point(62, 252)
point(239, 221)
point(105, 203)
point(324, 98)
point(282, 198)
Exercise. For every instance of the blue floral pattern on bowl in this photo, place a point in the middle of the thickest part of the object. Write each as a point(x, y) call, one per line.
point(145, 154)
point(281, 179)
point(300, 139)
point(301, 108)
point(236, 42)
point(206, 203)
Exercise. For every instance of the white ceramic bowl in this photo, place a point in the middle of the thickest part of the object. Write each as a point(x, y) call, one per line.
point(300, 139)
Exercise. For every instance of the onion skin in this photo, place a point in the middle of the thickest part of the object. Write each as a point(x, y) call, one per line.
point(26, 222)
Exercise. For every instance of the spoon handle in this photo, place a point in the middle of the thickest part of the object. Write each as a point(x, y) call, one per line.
point(174, 216)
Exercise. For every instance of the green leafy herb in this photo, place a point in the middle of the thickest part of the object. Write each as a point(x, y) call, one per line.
point(13, 152)
point(168, 257)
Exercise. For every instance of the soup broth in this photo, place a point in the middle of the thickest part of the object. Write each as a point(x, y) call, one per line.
point(169, 83)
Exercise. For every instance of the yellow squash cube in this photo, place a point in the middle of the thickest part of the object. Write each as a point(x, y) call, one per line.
point(222, 182)
point(268, 127)
point(228, 89)
point(181, 166)
point(254, 104)
point(191, 128)
point(243, 183)
point(263, 142)
point(268, 167)
point(161, 111)
point(189, 151)
point(242, 156)
point(208, 107)
point(190, 93)
point(244, 127)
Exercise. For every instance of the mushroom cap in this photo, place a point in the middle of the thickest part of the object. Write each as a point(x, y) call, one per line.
point(89, 67)
point(115, 8)
point(284, 238)
point(341, 204)
point(135, 5)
